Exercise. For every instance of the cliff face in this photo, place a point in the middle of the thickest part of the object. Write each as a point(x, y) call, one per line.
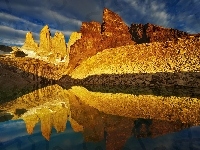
point(152, 33)
point(29, 43)
point(96, 37)
point(72, 39)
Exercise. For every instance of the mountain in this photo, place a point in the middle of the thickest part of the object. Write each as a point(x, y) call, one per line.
point(96, 37)
point(51, 47)
point(111, 47)
point(113, 33)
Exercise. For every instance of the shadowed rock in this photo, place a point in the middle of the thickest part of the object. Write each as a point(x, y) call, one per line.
point(152, 33)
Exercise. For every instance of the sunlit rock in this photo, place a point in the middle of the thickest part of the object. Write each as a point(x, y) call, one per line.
point(45, 40)
point(96, 37)
point(58, 47)
point(29, 43)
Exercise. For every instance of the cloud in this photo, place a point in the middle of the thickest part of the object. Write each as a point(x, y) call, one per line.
point(11, 36)
point(182, 15)
point(148, 11)
point(17, 23)
point(67, 15)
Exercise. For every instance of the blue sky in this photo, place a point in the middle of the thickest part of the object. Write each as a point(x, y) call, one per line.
point(17, 17)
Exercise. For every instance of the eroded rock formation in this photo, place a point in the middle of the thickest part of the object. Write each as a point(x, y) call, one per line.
point(51, 47)
point(45, 40)
point(29, 43)
point(152, 33)
point(5, 48)
point(96, 37)
point(58, 47)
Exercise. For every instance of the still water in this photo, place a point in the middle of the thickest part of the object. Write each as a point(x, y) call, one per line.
point(101, 118)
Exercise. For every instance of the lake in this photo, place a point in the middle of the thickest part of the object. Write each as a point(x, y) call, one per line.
point(95, 117)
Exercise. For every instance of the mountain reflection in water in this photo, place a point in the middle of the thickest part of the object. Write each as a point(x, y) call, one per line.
point(76, 118)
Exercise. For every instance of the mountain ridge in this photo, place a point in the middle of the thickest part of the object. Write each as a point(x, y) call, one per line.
point(94, 38)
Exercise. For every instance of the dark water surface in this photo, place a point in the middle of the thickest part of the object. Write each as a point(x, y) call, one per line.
point(101, 118)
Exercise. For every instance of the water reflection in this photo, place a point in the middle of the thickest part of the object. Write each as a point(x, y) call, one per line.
point(102, 120)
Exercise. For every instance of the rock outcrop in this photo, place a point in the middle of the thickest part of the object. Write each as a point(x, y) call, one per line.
point(17, 52)
point(96, 37)
point(29, 43)
point(152, 33)
point(45, 40)
point(58, 45)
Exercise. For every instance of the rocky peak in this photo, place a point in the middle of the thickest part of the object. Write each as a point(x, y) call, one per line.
point(45, 39)
point(72, 39)
point(112, 22)
point(52, 48)
point(29, 43)
point(58, 46)
point(96, 37)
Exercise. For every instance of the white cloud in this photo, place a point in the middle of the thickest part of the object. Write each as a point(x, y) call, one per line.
point(12, 21)
point(62, 19)
point(154, 12)
point(11, 36)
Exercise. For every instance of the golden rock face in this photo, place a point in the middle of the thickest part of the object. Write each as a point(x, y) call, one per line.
point(72, 39)
point(45, 39)
point(29, 43)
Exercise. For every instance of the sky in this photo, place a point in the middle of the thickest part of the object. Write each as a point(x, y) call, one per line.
point(17, 17)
